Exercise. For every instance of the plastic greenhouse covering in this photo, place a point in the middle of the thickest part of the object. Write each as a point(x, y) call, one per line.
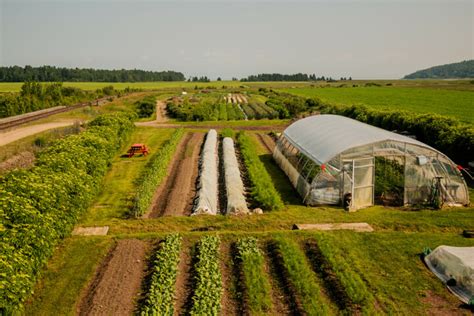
point(233, 182)
point(206, 201)
point(328, 157)
point(454, 266)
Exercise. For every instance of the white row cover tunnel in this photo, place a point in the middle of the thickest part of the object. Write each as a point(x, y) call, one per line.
point(207, 196)
point(328, 157)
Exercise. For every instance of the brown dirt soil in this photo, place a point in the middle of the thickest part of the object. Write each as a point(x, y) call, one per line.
point(438, 305)
point(161, 116)
point(175, 196)
point(229, 303)
point(22, 160)
point(21, 132)
point(280, 299)
point(266, 141)
point(184, 281)
point(117, 282)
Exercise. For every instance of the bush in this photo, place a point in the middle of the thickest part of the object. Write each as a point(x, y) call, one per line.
point(146, 107)
point(40, 206)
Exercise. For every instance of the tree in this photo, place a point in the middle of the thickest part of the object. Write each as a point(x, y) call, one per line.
point(219, 79)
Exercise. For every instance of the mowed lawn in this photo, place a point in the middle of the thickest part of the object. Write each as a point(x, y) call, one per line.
point(119, 184)
point(459, 104)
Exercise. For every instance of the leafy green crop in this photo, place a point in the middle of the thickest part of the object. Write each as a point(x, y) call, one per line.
point(154, 174)
point(39, 206)
point(208, 280)
point(300, 276)
point(257, 286)
point(263, 190)
point(160, 296)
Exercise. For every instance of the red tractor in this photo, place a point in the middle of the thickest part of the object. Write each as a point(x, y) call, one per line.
point(137, 149)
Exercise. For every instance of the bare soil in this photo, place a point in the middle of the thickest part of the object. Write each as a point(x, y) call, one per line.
point(184, 281)
point(161, 115)
point(22, 132)
point(283, 300)
point(438, 305)
point(175, 196)
point(116, 284)
point(229, 302)
point(20, 161)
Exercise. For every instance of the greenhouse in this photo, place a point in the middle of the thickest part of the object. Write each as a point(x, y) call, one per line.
point(335, 160)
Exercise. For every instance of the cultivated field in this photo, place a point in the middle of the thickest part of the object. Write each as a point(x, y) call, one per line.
point(159, 257)
point(441, 100)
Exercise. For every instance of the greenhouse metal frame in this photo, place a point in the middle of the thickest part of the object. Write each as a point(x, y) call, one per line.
point(330, 157)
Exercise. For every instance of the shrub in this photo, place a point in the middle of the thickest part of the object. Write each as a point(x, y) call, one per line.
point(39, 206)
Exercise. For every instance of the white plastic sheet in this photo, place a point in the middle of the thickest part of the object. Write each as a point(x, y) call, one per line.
point(456, 263)
point(206, 201)
point(233, 182)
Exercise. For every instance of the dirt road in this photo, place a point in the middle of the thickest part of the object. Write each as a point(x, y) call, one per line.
point(161, 116)
point(21, 132)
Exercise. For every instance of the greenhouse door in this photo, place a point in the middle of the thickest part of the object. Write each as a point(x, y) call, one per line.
point(362, 183)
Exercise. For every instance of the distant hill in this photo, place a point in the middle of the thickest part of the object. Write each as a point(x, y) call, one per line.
point(464, 69)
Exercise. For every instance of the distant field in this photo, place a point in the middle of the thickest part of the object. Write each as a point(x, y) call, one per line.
point(15, 86)
point(456, 103)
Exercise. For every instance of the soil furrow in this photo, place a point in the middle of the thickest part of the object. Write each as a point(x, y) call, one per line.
point(174, 197)
point(230, 303)
point(117, 282)
point(184, 282)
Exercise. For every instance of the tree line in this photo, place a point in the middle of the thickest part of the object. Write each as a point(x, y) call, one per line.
point(293, 77)
point(55, 74)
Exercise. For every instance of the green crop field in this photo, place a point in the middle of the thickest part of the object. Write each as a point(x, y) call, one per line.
point(455, 103)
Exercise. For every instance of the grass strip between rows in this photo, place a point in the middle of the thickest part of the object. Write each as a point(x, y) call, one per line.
point(263, 190)
point(160, 296)
point(206, 299)
point(300, 277)
point(155, 172)
point(256, 284)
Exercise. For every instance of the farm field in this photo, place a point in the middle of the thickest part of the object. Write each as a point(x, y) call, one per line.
point(157, 259)
point(455, 103)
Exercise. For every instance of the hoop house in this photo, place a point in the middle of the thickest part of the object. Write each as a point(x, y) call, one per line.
point(330, 157)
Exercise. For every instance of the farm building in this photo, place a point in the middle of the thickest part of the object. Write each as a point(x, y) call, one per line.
point(331, 159)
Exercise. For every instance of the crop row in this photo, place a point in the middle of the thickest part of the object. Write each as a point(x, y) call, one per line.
point(39, 206)
point(354, 287)
point(257, 286)
point(154, 173)
point(205, 110)
point(259, 111)
point(160, 296)
point(262, 189)
point(208, 280)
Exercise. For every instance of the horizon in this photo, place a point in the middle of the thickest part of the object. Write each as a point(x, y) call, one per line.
point(237, 39)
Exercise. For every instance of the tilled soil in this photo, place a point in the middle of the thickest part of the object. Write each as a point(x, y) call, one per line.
point(184, 281)
point(117, 282)
point(230, 304)
point(175, 196)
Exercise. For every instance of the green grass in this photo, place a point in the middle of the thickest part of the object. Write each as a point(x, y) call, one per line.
point(453, 103)
point(69, 270)
point(119, 184)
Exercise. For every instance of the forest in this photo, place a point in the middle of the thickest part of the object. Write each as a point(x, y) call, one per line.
point(55, 74)
point(463, 69)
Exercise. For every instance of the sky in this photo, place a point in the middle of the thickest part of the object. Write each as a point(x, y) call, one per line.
point(364, 39)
